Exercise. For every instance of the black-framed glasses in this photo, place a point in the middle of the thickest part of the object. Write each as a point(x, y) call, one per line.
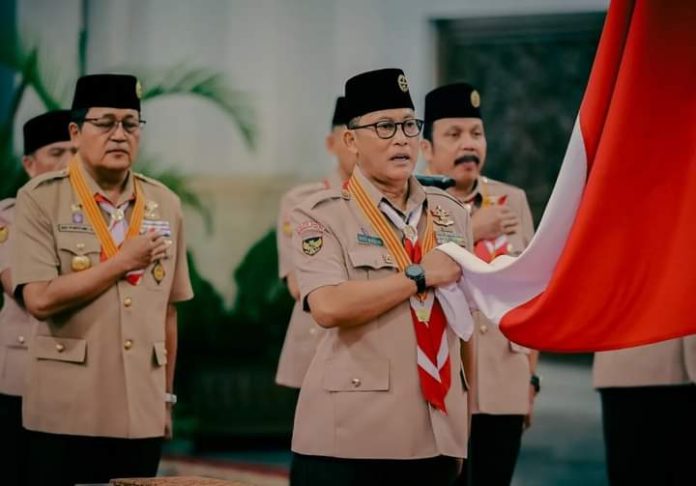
point(108, 124)
point(387, 129)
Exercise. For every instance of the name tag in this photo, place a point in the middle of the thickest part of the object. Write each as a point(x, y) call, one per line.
point(369, 240)
point(443, 238)
point(75, 228)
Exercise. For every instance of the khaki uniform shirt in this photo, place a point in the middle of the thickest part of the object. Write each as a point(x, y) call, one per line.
point(361, 397)
point(16, 324)
point(98, 369)
point(670, 362)
point(501, 377)
point(303, 333)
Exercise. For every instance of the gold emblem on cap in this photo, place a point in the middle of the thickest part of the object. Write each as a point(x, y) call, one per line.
point(403, 84)
point(475, 99)
point(80, 263)
point(4, 233)
point(138, 89)
point(158, 272)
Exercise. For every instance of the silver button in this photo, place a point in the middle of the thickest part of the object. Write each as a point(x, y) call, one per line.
point(356, 382)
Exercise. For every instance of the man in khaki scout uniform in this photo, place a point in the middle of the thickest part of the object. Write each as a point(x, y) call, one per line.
point(99, 257)
point(649, 412)
point(384, 400)
point(47, 147)
point(303, 333)
point(503, 383)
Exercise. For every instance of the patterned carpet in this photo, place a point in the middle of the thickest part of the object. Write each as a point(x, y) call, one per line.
point(252, 474)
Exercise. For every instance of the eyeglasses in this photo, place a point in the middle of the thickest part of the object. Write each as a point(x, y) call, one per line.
point(387, 129)
point(108, 125)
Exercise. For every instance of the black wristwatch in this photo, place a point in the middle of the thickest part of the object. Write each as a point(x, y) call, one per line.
point(417, 274)
point(535, 381)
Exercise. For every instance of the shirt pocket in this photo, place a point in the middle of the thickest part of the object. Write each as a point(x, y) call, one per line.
point(350, 374)
point(59, 349)
point(370, 263)
point(77, 252)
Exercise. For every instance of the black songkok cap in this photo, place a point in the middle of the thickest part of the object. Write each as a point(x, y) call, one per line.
point(107, 90)
point(46, 129)
point(458, 100)
point(383, 89)
point(340, 115)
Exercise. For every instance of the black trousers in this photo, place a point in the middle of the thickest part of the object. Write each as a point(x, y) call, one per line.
point(13, 438)
point(649, 435)
point(332, 471)
point(494, 445)
point(63, 460)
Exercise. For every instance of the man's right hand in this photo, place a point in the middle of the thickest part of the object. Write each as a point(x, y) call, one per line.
point(137, 253)
point(489, 222)
point(440, 269)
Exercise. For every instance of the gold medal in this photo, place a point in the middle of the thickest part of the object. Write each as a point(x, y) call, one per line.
point(158, 272)
point(4, 233)
point(151, 210)
point(80, 263)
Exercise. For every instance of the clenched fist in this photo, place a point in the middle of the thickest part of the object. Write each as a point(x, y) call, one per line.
point(490, 222)
point(440, 269)
point(137, 253)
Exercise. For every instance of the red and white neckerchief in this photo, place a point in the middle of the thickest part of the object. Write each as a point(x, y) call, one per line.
point(429, 321)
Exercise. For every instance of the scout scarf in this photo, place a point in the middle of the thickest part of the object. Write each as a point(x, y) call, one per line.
point(488, 250)
point(94, 215)
point(428, 318)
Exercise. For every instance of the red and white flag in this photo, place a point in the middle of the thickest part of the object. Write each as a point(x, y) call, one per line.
point(613, 263)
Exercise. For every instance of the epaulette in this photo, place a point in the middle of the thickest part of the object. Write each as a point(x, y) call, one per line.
point(149, 180)
point(435, 191)
point(321, 197)
point(45, 178)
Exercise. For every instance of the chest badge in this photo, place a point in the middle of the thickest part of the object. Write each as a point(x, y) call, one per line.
point(4, 233)
point(158, 272)
point(80, 263)
point(441, 217)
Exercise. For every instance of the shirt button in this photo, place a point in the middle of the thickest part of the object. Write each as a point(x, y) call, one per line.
point(356, 382)
point(21, 339)
point(60, 347)
point(483, 329)
point(128, 344)
point(127, 302)
point(312, 331)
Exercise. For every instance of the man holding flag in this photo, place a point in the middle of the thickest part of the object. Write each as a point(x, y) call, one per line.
point(384, 400)
point(99, 257)
point(503, 382)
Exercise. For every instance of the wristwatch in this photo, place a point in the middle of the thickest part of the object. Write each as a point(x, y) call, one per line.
point(417, 274)
point(535, 381)
point(170, 398)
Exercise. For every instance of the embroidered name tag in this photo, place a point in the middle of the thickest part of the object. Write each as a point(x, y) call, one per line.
point(162, 227)
point(369, 240)
point(75, 228)
point(443, 238)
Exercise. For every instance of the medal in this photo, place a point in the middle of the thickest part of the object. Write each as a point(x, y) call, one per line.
point(77, 217)
point(441, 217)
point(80, 263)
point(158, 272)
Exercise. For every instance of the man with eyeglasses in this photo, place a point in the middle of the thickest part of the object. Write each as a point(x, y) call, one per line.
point(99, 257)
point(383, 398)
point(303, 333)
point(503, 380)
point(47, 147)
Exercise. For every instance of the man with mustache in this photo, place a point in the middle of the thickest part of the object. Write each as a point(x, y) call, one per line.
point(99, 257)
point(303, 333)
point(383, 400)
point(47, 148)
point(504, 383)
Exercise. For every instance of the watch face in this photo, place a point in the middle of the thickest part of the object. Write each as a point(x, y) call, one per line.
point(414, 271)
